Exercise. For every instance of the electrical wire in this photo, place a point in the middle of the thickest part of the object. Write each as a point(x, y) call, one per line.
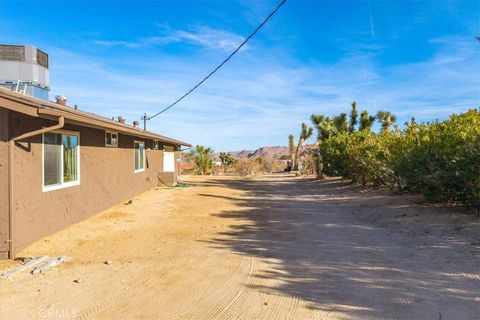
point(223, 62)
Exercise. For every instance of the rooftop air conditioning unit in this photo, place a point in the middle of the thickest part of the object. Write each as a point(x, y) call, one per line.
point(24, 69)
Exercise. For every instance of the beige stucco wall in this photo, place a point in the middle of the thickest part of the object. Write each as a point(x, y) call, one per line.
point(168, 178)
point(107, 177)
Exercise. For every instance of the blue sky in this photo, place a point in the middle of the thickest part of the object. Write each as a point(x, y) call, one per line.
point(414, 58)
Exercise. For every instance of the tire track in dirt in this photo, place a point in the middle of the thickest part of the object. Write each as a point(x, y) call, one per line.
point(109, 302)
point(128, 298)
point(393, 303)
point(310, 257)
point(132, 293)
point(217, 284)
point(283, 304)
point(229, 303)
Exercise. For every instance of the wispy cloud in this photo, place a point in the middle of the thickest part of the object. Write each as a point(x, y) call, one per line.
point(202, 36)
point(420, 59)
point(243, 107)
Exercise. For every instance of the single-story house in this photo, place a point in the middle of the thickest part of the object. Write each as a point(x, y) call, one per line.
point(60, 165)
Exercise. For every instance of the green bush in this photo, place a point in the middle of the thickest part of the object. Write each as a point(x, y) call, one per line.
point(361, 156)
point(440, 160)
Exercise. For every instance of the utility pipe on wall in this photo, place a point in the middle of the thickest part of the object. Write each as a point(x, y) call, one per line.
point(11, 144)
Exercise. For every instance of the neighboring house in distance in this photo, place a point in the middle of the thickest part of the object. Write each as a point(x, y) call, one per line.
point(59, 165)
point(187, 166)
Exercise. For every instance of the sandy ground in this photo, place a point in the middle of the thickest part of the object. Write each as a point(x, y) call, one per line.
point(270, 247)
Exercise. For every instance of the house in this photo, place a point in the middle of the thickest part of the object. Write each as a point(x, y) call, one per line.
point(60, 165)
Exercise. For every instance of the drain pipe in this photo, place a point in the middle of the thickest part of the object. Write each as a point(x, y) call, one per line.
point(11, 144)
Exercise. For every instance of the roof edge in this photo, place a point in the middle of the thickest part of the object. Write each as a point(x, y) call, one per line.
point(42, 108)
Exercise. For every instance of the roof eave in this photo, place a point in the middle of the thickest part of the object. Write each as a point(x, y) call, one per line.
point(107, 124)
point(46, 109)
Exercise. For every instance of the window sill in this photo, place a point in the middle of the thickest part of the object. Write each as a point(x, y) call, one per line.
point(138, 171)
point(60, 186)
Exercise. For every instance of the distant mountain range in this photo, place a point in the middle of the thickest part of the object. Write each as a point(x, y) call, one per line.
point(269, 152)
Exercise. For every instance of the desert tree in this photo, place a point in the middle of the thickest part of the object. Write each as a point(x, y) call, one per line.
point(386, 119)
point(410, 123)
point(324, 125)
point(305, 133)
point(291, 148)
point(325, 128)
point(366, 121)
point(227, 160)
point(203, 158)
point(341, 123)
point(353, 117)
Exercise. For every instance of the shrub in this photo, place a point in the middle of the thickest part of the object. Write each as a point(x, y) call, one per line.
point(362, 156)
point(440, 160)
point(203, 159)
point(245, 167)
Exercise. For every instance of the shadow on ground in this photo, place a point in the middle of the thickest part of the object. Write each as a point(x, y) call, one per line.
point(325, 244)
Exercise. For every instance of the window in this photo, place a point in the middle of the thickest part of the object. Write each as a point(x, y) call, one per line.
point(139, 156)
point(61, 160)
point(155, 144)
point(111, 139)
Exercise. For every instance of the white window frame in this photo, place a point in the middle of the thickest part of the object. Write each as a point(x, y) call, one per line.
point(134, 155)
point(62, 184)
point(111, 145)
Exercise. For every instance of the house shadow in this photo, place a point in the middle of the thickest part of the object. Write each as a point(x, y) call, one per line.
point(319, 244)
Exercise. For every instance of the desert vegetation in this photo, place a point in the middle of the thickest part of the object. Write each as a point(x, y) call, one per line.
point(203, 159)
point(227, 161)
point(440, 159)
point(305, 133)
point(252, 166)
point(205, 162)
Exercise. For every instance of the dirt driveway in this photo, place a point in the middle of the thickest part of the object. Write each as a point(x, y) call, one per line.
point(271, 247)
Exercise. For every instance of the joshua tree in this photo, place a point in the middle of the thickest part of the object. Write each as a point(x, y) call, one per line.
point(325, 129)
point(411, 122)
point(203, 158)
point(324, 125)
point(366, 121)
point(304, 135)
point(386, 119)
point(227, 160)
point(291, 150)
point(341, 123)
point(353, 117)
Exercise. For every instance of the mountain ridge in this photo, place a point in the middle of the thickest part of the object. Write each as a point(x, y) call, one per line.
point(266, 151)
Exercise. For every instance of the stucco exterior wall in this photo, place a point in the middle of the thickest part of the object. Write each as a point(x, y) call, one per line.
point(4, 236)
point(107, 177)
point(168, 178)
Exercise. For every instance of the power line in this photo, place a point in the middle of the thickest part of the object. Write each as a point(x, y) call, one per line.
point(144, 117)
